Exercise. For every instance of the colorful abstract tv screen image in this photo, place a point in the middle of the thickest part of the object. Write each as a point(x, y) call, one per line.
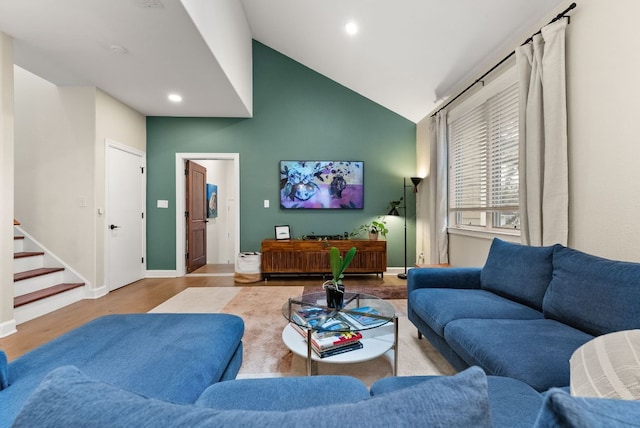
point(321, 184)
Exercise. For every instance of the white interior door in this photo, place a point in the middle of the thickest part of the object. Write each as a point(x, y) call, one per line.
point(124, 216)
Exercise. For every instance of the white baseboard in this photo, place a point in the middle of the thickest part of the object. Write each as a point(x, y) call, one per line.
point(7, 328)
point(95, 293)
point(161, 274)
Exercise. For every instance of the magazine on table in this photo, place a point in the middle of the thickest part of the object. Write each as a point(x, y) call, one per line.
point(320, 319)
point(333, 326)
point(360, 317)
point(310, 316)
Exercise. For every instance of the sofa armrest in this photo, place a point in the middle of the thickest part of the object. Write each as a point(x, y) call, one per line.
point(283, 393)
point(464, 277)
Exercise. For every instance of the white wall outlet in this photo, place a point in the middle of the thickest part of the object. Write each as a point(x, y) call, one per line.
point(163, 204)
point(266, 203)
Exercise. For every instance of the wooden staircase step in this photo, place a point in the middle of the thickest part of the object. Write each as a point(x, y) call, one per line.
point(17, 237)
point(24, 254)
point(44, 293)
point(34, 273)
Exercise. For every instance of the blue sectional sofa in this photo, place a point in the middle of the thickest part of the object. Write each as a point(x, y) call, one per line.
point(518, 319)
point(165, 370)
point(526, 311)
point(172, 357)
point(69, 398)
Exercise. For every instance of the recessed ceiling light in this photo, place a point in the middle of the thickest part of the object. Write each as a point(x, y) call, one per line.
point(351, 28)
point(175, 98)
point(152, 4)
point(118, 50)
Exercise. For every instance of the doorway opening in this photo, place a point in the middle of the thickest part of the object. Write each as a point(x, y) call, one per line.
point(225, 170)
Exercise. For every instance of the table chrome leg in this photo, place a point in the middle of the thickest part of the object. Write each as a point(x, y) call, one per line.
point(309, 360)
point(395, 346)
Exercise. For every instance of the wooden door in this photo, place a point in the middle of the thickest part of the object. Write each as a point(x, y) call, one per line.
point(196, 216)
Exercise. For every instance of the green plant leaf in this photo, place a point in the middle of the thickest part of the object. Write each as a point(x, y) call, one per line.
point(348, 258)
point(336, 262)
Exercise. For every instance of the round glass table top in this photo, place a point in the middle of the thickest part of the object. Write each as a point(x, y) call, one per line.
point(359, 312)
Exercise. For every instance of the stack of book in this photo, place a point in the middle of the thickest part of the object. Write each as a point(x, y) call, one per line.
point(331, 333)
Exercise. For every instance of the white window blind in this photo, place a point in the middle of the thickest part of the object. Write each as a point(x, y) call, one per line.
point(483, 161)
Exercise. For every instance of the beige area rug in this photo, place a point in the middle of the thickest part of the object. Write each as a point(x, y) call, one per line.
point(265, 355)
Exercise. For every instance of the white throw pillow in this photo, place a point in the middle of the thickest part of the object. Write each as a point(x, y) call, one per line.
point(608, 367)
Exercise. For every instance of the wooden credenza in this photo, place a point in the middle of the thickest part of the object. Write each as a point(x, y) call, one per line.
point(297, 256)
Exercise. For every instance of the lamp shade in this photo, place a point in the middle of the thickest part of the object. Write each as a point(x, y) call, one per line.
point(416, 181)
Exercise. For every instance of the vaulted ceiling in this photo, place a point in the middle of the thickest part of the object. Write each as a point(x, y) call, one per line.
point(407, 55)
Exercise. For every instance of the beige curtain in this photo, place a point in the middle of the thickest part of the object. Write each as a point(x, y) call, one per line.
point(544, 182)
point(438, 188)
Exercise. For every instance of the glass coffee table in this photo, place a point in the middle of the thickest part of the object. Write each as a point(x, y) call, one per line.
point(368, 319)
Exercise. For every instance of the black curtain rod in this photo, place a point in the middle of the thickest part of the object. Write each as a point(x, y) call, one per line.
point(561, 15)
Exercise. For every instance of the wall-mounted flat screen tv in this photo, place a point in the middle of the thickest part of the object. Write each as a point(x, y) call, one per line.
point(321, 184)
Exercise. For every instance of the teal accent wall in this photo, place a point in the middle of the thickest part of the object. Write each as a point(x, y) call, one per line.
point(298, 114)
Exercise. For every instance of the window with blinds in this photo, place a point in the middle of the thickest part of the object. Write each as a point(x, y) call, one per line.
point(483, 164)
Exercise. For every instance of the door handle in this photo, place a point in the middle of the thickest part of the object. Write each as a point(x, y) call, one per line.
point(113, 226)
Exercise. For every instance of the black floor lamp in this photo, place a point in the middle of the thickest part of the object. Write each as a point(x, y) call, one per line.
point(394, 211)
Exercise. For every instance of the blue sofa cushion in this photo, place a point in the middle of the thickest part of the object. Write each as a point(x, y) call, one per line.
point(562, 410)
point(518, 272)
point(439, 306)
point(536, 352)
point(68, 398)
point(4, 371)
point(286, 393)
point(455, 277)
point(513, 404)
point(593, 294)
point(167, 356)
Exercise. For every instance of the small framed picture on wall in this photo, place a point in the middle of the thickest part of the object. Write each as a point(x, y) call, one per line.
point(212, 200)
point(283, 232)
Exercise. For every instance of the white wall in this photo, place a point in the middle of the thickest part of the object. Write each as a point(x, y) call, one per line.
point(423, 222)
point(60, 159)
point(54, 168)
point(7, 322)
point(603, 65)
point(120, 123)
point(224, 27)
point(220, 248)
point(604, 128)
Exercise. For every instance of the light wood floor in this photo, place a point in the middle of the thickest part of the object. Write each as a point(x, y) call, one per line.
point(216, 269)
point(140, 297)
